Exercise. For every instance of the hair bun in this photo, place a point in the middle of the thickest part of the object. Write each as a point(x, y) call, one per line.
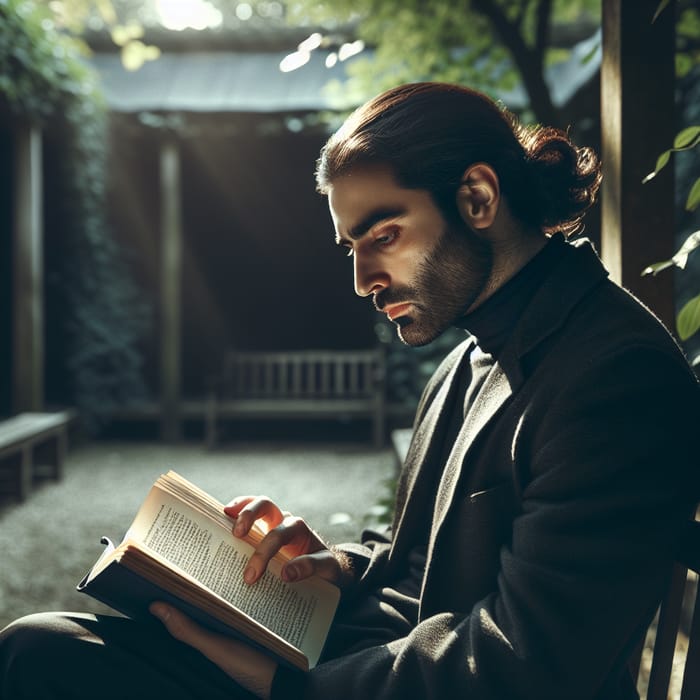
point(563, 178)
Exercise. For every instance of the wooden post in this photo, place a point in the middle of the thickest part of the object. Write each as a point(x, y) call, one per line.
point(170, 290)
point(637, 84)
point(28, 271)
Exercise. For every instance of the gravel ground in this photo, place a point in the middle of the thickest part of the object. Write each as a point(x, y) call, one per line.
point(49, 542)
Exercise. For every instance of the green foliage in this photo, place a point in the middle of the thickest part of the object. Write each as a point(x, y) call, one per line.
point(685, 140)
point(44, 80)
point(381, 514)
point(687, 37)
point(482, 43)
point(688, 320)
point(73, 16)
point(36, 64)
point(687, 57)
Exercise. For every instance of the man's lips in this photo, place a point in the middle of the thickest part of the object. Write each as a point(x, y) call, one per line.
point(395, 310)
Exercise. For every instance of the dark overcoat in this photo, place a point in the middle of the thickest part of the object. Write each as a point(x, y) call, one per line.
point(550, 520)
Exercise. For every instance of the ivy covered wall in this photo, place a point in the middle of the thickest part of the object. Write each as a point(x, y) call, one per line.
point(94, 314)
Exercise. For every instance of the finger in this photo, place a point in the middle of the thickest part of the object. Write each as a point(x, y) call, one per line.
point(293, 535)
point(234, 506)
point(255, 508)
point(221, 650)
point(179, 625)
point(323, 564)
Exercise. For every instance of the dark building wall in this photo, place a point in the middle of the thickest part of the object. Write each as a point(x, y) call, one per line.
point(260, 269)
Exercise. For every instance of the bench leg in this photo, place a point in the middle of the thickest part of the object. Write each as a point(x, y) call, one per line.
point(16, 472)
point(24, 475)
point(49, 456)
point(61, 448)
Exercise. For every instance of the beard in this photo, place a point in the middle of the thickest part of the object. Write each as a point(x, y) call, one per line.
point(448, 281)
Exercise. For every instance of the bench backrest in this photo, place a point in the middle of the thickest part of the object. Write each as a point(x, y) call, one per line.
point(671, 619)
point(312, 374)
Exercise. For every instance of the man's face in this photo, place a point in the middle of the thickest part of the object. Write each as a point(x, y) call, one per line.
point(421, 272)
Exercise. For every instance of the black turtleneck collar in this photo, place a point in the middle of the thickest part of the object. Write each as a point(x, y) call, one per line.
point(493, 321)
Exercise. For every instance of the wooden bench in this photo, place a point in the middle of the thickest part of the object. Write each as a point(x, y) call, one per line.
point(319, 384)
point(32, 445)
point(680, 605)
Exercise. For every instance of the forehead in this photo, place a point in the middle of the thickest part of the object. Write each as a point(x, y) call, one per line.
point(355, 195)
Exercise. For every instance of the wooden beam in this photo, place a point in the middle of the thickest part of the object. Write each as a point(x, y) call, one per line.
point(170, 291)
point(637, 96)
point(28, 271)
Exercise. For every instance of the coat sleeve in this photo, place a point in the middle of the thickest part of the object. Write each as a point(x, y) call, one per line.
point(609, 475)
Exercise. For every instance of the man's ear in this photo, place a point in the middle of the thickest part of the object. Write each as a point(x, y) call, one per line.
point(478, 196)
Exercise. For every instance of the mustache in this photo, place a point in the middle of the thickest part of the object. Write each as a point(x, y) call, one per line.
point(393, 295)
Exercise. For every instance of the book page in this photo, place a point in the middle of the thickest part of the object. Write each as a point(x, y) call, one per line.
point(297, 612)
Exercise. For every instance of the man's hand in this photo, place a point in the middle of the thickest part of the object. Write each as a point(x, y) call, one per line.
point(247, 666)
point(310, 555)
point(288, 534)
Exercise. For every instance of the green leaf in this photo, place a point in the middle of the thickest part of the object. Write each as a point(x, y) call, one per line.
point(687, 138)
point(661, 161)
point(657, 267)
point(684, 64)
point(693, 197)
point(688, 319)
point(660, 9)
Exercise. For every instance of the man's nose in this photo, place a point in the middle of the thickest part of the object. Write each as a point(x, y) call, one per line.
point(369, 277)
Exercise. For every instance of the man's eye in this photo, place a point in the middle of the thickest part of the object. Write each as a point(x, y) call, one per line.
point(385, 238)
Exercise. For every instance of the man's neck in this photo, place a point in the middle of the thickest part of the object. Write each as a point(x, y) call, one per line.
point(510, 255)
point(494, 320)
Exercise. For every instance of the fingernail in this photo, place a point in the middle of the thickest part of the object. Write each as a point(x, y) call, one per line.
point(249, 574)
point(238, 529)
point(291, 573)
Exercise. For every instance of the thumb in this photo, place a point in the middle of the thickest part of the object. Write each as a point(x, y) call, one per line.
point(179, 625)
point(322, 564)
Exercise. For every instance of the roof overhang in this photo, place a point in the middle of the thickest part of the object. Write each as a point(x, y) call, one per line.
point(218, 81)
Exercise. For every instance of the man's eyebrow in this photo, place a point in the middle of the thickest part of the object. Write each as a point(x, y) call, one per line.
point(373, 218)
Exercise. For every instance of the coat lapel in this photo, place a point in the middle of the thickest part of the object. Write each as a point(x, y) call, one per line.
point(425, 455)
point(494, 393)
point(497, 389)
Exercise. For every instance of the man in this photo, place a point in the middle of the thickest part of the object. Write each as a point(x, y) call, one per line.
point(552, 465)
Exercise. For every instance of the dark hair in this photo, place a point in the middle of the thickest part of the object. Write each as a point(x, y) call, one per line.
point(430, 133)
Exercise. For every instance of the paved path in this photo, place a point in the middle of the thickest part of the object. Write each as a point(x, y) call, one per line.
point(49, 542)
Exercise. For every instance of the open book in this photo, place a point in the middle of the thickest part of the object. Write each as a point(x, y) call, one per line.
point(180, 549)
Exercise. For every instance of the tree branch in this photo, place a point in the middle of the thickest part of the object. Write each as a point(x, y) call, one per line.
point(528, 62)
point(542, 27)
